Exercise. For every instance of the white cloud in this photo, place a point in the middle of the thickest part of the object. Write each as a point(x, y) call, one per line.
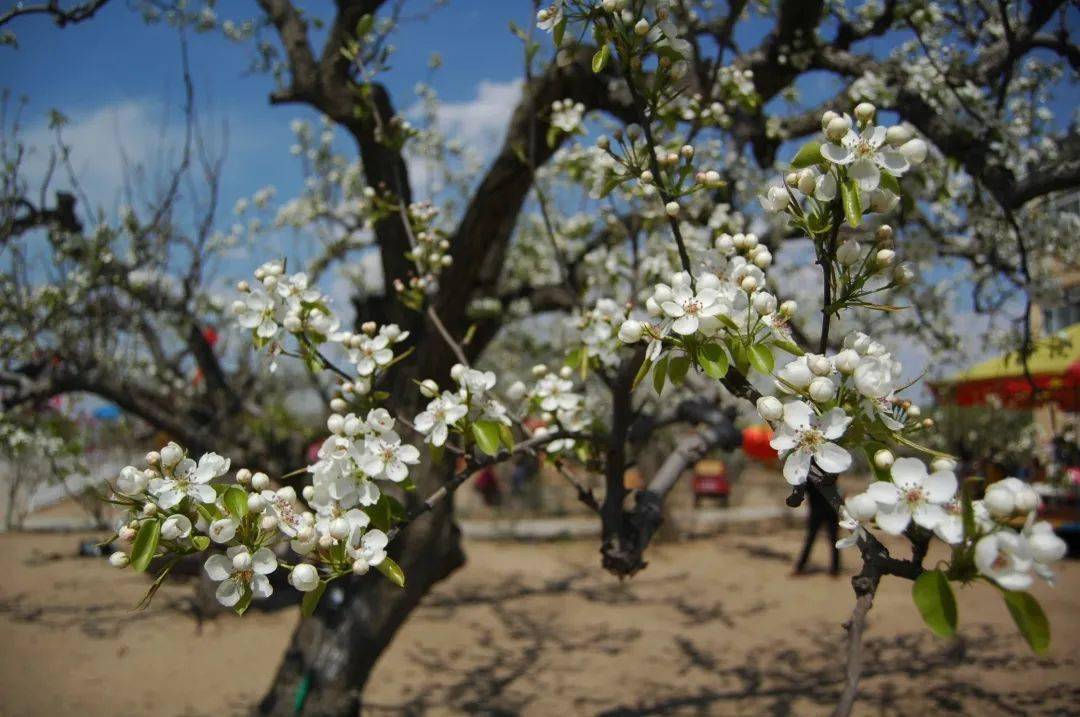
point(477, 124)
point(481, 121)
point(99, 140)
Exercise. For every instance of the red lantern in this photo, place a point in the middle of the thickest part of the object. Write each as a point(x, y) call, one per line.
point(755, 442)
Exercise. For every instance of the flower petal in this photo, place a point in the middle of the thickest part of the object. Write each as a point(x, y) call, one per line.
point(894, 519)
point(797, 467)
point(866, 173)
point(831, 458)
point(940, 487)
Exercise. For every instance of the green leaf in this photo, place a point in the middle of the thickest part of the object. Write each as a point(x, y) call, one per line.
point(677, 368)
point(600, 59)
point(1029, 618)
point(934, 598)
point(486, 434)
point(201, 542)
point(713, 360)
point(642, 371)
point(558, 32)
point(208, 511)
point(506, 435)
point(761, 358)
point(808, 155)
point(659, 374)
point(393, 571)
point(146, 542)
point(365, 25)
point(245, 602)
point(849, 195)
point(889, 182)
point(790, 346)
point(235, 500)
point(311, 599)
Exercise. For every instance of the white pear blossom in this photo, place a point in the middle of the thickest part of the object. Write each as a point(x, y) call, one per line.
point(238, 571)
point(369, 546)
point(687, 308)
point(804, 436)
point(387, 457)
point(865, 156)
point(441, 413)
point(1004, 557)
point(189, 479)
point(913, 494)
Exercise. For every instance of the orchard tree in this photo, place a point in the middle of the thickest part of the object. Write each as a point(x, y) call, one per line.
point(687, 251)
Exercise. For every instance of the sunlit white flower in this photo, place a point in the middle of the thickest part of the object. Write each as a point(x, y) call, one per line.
point(175, 527)
point(913, 494)
point(369, 546)
point(805, 436)
point(190, 480)
point(372, 352)
point(131, 481)
point(387, 457)
point(688, 308)
point(1044, 546)
point(256, 311)
point(865, 156)
point(240, 571)
point(1004, 557)
point(441, 413)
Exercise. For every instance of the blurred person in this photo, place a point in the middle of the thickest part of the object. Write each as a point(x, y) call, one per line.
point(821, 514)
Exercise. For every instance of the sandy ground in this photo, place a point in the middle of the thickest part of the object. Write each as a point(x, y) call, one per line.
point(713, 627)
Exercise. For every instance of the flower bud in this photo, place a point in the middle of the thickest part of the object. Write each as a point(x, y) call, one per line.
point(807, 181)
point(789, 307)
point(763, 259)
point(943, 464)
point(884, 257)
point(792, 179)
point(126, 534)
point(914, 411)
point(268, 522)
point(672, 209)
point(822, 389)
point(846, 361)
point(770, 408)
point(884, 234)
point(241, 561)
point(260, 481)
point(819, 365)
point(647, 177)
point(641, 28)
point(308, 492)
point(914, 150)
point(748, 284)
point(335, 423)
point(119, 560)
point(304, 577)
point(884, 459)
point(603, 142)
point(864, 112)
point(338, 405)
point(176, 526)
point(171, 455)
point(149, 509)
point(826, 118)
point(837, 128)
point(539, 370)
point(255, 503)
point(243, 476)
point(848, 253)
point(764, 303)
point(999, 501)
point(153, 458)
point(292, 323)
point(339, 528)
point(631, 331)
point(928, 423)
point(369, 327)
point(897, 135)
point(903, 275)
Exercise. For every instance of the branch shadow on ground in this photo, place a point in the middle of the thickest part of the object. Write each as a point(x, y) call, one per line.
point(528, 651)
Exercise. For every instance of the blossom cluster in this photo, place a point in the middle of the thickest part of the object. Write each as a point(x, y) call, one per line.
point(178, 506)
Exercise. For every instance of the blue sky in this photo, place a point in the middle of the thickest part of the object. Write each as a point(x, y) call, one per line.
point(118, 78)
point(119, 81)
